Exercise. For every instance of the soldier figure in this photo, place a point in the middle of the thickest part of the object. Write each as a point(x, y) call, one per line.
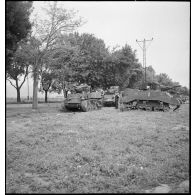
point(116, 100)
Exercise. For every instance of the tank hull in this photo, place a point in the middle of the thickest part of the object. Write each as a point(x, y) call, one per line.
point(109, 100)
point(146, 100)
point(84, 102)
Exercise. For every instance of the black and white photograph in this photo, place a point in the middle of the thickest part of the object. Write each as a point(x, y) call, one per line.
point(97, 97)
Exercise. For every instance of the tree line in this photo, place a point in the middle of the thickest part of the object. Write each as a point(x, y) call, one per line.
point(56, 55)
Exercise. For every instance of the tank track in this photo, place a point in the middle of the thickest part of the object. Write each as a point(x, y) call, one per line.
point(91, 104)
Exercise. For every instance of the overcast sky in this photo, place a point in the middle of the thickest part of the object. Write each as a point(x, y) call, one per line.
point(118, 23)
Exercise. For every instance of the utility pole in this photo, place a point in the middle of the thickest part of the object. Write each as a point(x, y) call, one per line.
point(144, 53)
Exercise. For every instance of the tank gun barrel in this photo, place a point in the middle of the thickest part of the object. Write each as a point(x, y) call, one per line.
point(166, 88)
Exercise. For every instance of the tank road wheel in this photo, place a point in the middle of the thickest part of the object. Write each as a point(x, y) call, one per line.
point(166, 108)
point(122, 107)
point(85, 106)
point(96, 105)
point(149, 108)
point(91, 105)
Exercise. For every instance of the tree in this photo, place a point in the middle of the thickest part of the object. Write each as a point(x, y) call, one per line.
point(87, 60)
point(17, 27)
point(184, 91)
point(150, 74)
point(136, 78)
point(164, 79)
point(18, 68)
point(91, 54)
point(81, 60)
point(108, 73)
point(151, 79)
point(125, 67)
point(47, 79)
point(58, 20)
point(61, 63)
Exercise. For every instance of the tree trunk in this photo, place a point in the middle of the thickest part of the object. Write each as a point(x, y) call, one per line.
point(46, 96)
point(65, 93)
point(18, 95)
point(64, 89)
point(35, 90)
point(18, 91)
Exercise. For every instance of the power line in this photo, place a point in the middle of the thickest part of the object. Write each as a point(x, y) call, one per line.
point(144, 52)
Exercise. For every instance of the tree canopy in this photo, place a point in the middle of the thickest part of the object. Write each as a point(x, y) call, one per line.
point(17, 26)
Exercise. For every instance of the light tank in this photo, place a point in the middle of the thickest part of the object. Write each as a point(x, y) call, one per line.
point(109, 96)
point(82, 99)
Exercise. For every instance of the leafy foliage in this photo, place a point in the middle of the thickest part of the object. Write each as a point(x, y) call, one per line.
point(17, 27)
point(128, 69)
point(18, 69)
point(87, 60)
point(79, 60)
point(47, 78)
point(91, 53)
point(164, 79)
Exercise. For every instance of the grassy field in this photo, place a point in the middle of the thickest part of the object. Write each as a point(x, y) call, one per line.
point(104, 151)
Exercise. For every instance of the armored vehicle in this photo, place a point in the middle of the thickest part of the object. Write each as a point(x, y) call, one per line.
point(82, 99)
point(109, 99)
point(154, 100)
point(109, 96)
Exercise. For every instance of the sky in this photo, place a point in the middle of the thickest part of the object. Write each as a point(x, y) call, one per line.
point(122, 22)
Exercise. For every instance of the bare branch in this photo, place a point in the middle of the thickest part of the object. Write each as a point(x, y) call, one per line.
point(12, 83)
point(26, 74)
